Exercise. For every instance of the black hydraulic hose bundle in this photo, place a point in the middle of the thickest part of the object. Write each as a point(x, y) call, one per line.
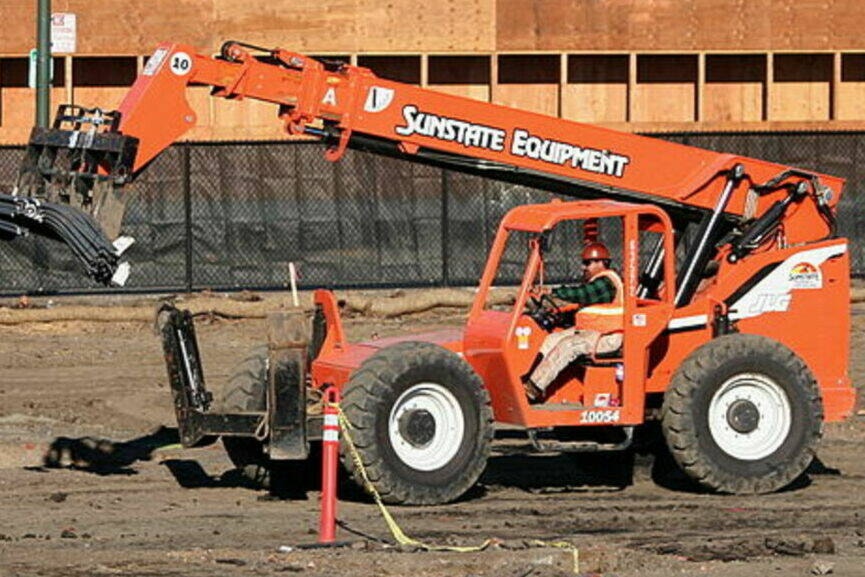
point(101, 259)
point(63, 175)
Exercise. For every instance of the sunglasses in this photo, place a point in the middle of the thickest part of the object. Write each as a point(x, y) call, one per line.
point(589, 261)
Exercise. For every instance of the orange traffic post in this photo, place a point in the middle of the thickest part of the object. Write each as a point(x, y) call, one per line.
point(329, 458)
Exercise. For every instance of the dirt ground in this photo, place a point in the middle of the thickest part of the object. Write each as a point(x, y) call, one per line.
point(92, 483)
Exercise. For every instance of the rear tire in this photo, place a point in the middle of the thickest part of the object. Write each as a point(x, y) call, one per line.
point(246, 391)
point(743, 415)
point(421, 423)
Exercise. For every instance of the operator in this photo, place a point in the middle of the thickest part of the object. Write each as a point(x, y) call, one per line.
point(599, 322)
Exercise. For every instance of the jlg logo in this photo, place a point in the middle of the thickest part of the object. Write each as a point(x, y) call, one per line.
point(769, 303)
point(600, 417)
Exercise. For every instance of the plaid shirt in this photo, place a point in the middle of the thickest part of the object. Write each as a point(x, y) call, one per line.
point(600, 290)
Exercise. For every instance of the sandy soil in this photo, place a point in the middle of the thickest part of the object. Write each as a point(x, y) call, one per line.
point(91, 399)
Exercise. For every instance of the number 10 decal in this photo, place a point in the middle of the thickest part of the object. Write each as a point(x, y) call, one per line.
point(181, 63)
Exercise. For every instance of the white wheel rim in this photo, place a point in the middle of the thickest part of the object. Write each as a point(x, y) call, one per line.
point(747, 392)
point(429, 400)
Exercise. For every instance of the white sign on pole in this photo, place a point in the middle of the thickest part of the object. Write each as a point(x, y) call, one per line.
point(63, 33)
point(31, 70)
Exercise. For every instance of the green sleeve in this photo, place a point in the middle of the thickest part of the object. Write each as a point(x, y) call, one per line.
point(600, 290)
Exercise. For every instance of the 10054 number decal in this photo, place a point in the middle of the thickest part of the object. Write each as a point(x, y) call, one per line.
point(600, 416)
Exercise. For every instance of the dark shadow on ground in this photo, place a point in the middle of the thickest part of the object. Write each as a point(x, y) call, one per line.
point(567, 472)
point(104, 456)
point(189, 474)
point(666, 473)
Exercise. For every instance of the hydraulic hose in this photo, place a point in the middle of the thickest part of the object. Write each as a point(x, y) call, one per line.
point(71, 226)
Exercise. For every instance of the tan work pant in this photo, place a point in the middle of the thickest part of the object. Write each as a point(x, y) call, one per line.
point(562, 348)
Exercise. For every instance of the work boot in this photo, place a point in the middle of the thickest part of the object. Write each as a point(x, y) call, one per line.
point(533, 392)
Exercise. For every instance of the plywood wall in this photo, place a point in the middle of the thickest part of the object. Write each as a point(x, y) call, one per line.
point(133, 27)
point(679, 24)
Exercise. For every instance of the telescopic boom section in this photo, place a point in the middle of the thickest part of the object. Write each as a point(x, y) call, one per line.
point(347, 104)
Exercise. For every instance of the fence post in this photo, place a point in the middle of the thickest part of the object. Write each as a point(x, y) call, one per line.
point(445, 228)
point(186, 179)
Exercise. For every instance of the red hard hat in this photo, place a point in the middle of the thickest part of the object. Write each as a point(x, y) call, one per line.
point(596, 251)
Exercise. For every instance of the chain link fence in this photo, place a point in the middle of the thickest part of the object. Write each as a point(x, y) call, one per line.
point(234, 215)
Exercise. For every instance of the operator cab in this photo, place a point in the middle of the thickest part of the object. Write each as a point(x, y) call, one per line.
point(539, 247)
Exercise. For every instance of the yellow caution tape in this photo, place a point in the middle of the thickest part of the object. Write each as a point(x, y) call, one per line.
point(397, 532)
point(562, 545)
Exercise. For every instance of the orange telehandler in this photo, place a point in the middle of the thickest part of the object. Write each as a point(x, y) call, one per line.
point(735, 306)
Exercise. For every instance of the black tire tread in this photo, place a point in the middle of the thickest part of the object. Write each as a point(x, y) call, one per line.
point(680, 429)
point(245, 391)
point(368, 386)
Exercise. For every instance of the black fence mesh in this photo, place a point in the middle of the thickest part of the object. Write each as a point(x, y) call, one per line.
point(234, 215)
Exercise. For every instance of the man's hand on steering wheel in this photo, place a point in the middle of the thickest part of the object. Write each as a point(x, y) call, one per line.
point(549, 314)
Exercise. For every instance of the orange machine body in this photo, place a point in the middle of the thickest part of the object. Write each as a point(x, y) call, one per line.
point(803, 309)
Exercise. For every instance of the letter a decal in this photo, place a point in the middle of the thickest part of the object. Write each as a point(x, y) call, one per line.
point(329, 97)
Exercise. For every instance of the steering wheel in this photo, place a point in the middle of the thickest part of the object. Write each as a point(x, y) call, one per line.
point(547, 314)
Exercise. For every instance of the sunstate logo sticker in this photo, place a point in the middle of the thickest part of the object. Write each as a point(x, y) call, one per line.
point(805, 276)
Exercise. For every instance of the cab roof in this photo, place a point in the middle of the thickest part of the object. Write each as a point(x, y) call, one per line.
point(541, 217)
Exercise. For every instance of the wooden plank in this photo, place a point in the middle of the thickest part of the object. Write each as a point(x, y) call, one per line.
point(769, 92)
point(851, 88)
point(132, 27)
point(695, 25)
point(20, 37)
point(541, 98)
point(359, 25)
point(632, 86)
point(701, 88)
point(666, 89)
point(736, 25)
point(67, 85)
point(18, 111)
point(405, 69)
point(734, 86)
point(801, 88)
point(563, 80)
point(836, 83)
point(105, 97)
point(528, 82)
point(595, 102)
point(596, 88)
point(476, 91)
point(462, 75)
point(246, 115)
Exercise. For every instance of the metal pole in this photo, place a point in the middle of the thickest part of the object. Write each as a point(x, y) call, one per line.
point(445, 229)
point(43, 62)
point(186, 168)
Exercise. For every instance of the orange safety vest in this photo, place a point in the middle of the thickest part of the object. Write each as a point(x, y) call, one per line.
point(606, 317)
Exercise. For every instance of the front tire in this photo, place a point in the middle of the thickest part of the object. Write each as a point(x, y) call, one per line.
point(421, 423)
point(743, 415)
